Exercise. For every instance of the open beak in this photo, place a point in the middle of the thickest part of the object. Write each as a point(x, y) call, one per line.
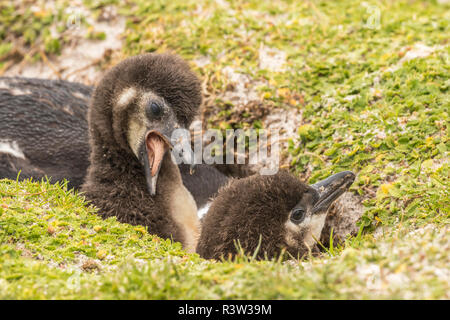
point(152, 153)
point(332, 188)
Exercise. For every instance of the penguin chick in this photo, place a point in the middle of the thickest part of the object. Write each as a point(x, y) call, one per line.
point(44, 133)
point(133, 112)
point(268, 214)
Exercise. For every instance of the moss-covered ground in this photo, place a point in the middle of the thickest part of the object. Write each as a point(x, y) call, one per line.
point(371, 82)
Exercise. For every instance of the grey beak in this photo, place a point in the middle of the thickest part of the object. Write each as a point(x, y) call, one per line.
point(332, 188)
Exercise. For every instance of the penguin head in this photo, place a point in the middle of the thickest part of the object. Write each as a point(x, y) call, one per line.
point(139, 103)
point(265, 215)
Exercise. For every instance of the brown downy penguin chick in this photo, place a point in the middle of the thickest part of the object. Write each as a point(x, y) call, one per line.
point(269, 214)
point(44, 133)
point(132, 115)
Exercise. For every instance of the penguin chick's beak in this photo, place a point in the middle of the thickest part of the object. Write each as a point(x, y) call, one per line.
point(332, 188)
point(156, 147)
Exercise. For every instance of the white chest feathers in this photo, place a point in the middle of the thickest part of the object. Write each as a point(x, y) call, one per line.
point(11, 148)
point(203, 210)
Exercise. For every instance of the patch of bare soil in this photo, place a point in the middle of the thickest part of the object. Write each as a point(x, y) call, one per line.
point(81, 60)
point(342, 218)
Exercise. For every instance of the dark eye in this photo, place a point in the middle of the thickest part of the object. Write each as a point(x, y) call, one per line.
point(298, 215)
point(154, 109)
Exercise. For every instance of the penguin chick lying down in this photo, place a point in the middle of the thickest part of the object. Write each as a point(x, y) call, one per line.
point(268, 214)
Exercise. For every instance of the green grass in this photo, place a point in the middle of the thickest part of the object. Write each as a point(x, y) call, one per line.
point(55, 247)
point(365, 107)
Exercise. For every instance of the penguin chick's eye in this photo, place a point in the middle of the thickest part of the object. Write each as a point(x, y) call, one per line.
point(154, 109)
point(298, 215)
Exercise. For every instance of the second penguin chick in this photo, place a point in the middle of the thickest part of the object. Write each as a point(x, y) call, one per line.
point(266, 215)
